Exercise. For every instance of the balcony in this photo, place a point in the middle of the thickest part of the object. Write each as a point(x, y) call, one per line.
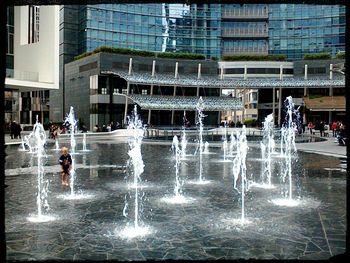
point(241, 32)
point(245, 14)
point(22, 75)
point(245, 51)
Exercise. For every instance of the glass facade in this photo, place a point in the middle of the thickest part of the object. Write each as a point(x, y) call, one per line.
point(244, 29)
point(10, 37)
point(296, 29)
point(154, 27)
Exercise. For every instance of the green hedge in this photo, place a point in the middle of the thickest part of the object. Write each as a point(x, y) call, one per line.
point(254, 58)
point(180, 55)
point(143, 53)
point(250, 122)
point(317, 56)
point(340, 55)
point(86, 54)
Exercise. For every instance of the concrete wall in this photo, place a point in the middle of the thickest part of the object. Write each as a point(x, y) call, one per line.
point(254, 64)
point(77, 86)
point(300, 65)
point(165, 66)
point(41, 57)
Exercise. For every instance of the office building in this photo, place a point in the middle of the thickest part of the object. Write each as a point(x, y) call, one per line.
point(31, 62)
point(296, 29)
point(213, 30)
point(244, 29)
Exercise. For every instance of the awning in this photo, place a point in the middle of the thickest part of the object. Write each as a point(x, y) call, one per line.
point(158, 102)
point(325, 103)
point(215, 82)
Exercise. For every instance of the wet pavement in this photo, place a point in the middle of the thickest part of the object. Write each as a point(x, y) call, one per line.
point(204, 228)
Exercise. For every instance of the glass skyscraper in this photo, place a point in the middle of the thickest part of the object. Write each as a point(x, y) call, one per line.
point(153, 27)
point(296, 29)
point(244, 29)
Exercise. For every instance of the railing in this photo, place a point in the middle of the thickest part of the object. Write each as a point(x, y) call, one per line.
point(22, 75)
point(245, 13)
point(245, 32)
point(211, 135)
point(244, 51)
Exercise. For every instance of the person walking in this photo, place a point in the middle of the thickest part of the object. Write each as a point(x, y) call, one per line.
point(311, 126)
point(66, 163)
point(13, 129)
point(334, 128)
point(321, 127)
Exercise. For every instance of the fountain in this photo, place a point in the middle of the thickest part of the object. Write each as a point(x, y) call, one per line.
point(177, 153)
point(30, 142)
point(57, 147)
point(206, 147)
point(178, 197)
point(183, 137)
point(42, 185)
point(200, 117)
point(136, 166)
point(84, 143)
point(267, 148)
point(282, 139)
point(23, 148)
point(211, 225)
point(288, 130)
point(239, 169)
point(232, 143)
point(70, 119)
point(224, 146)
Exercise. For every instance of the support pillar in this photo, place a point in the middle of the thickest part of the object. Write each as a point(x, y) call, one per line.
point(30, 117)
point(149, 111)
point(127, 92)
point(243, 113)
point(173, 111)
point(279, 107)
point(274, 105)
point(330, 112)
point(305, 77)
point(126, 102)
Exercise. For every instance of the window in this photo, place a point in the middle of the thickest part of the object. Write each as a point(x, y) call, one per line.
point(33, 23)
point(234, 71)
point(104, 91)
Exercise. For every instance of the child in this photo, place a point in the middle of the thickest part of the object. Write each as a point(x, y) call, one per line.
point(65, 162)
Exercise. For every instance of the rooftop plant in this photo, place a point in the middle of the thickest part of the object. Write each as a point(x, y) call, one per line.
point(143, 53)
point(254, 58)
point(317, 56)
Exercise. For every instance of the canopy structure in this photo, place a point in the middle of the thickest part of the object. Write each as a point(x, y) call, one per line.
point(325, 103)
point(215, 82)
point(158, 102)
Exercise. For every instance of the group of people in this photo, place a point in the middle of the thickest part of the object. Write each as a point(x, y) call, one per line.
point(15, 130)
point(110, 127)
point(337, 127)
point(325, 128)
point(55, 130)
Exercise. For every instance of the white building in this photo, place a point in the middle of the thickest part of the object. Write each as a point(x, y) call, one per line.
point(247, 70)
point(33, 47)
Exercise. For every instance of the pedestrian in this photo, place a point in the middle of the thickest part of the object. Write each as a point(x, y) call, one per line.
point(65, 162)
point(13, 129)
point(96, 128)
point(104, 128)
point(334, 128)
point(311, 126)
point(109, 128)
point(19, 130)
point(321, 127)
